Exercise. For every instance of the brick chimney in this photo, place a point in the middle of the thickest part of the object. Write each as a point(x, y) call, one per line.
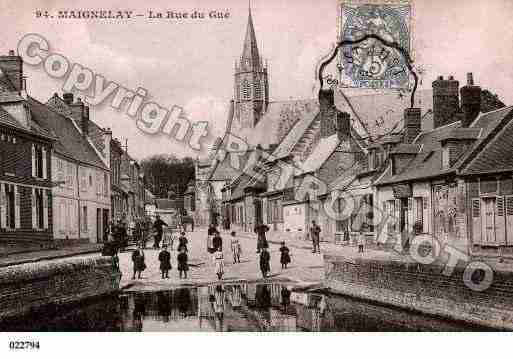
point(470, 101)
point(445, 100)
point(412, 124)
point(12, 66)
point(327, 112)
point(68, 98)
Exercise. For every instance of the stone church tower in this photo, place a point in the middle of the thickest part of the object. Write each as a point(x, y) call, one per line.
point(251, 87)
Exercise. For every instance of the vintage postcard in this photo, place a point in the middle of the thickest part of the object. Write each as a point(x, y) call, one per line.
point(255, 166)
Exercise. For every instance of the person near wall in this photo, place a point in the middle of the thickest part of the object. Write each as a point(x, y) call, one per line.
point(261, 230)
point(315, 230)
point(183, 266)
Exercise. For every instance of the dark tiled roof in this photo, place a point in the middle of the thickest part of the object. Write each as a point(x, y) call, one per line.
point(493, 154)
point(406, 148)
point(463, 134)
point(7, 119)
point(428, 161)
point(70, 141)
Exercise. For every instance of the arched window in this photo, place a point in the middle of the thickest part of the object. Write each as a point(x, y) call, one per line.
point(246, 89)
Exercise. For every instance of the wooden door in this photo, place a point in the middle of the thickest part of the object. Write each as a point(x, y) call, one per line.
point(476, 221)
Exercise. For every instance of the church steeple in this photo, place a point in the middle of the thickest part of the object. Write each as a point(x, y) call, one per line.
point(251, 88)
point(250, 49)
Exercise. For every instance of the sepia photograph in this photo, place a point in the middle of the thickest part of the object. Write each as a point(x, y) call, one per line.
point(220, 166)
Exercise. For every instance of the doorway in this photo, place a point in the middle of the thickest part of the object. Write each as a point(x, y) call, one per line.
point(98, 225)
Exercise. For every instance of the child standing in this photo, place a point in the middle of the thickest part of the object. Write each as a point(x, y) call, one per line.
point(236, 248)
point(285, 255)
point(219, 261)
point(182, 242)
point(165, 262)
point(361, 241)
point(183, 267)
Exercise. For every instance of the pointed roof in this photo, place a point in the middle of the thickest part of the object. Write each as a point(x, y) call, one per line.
point(250, 49)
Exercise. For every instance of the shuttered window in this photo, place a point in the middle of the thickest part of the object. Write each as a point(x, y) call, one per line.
point(475, 208)
point(500, 206)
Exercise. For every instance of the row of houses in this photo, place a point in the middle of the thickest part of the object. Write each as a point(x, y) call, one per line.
point(439, 171)
point(62, 177)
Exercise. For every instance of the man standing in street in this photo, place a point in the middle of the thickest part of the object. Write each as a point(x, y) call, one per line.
point(157, 225)
point(260, 230)
point(314, 234)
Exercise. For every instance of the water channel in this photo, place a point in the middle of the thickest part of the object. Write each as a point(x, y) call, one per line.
point(238, 306)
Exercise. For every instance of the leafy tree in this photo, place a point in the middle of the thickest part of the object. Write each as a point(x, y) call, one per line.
point(167, 175)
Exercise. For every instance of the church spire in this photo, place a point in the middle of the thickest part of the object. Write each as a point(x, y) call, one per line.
point(250, 50)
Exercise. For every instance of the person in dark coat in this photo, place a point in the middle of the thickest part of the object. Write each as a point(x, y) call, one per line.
point(158, 226)
point(165, 262)
point(285, 255)
point(211, 232)
point(285, 297)
point(138, 261)
point(261, 229)
point(217, 242)
point(265, 267)
point(314, 235)
point(182, 242)
point(183, 267)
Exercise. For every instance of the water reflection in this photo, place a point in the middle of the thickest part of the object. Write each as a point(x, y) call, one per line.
point(237, 306)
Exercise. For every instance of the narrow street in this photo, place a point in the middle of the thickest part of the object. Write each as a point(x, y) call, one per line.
point(306, 267)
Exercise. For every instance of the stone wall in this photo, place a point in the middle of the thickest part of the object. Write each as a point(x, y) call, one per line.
point(423, 288)
point(32, 286)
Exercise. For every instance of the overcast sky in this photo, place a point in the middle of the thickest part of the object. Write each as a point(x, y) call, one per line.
point(190, 63)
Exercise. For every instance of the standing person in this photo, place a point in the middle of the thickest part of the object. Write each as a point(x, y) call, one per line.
point(236, 248)
point(182, 242)
point(211, 232)
point(314, 234)
point(265, 257)
point(217, 242)
point(183, 267)
point(165, 262)
point(261, 229)
point(138, 261)
point(361, 240)
point(285, 255)
point(122, 233)
point(157, 225)
point(192, 224)
point(219, 261)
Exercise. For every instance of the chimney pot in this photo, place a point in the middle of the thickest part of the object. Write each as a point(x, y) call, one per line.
point(440, 77)
point(451, 77)
point(11, 53)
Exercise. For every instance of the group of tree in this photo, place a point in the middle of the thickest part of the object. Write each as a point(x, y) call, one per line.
point(167, 175)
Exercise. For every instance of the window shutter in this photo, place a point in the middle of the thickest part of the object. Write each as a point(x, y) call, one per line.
point(33, 160)
point(45, 169)
point(476, 221)
point(45, 209)
point(3, 212)
point(425, 214)
point(33, 205)
point(16, 207)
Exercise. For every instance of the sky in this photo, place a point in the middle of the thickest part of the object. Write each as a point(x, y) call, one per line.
point(189, 63)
